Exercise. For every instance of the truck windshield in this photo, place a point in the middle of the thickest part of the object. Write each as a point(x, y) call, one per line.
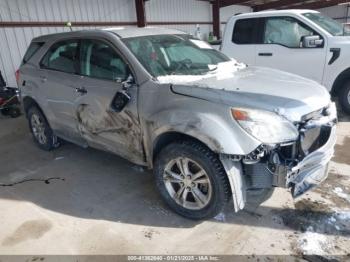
point(174, 54)
point(330, 25)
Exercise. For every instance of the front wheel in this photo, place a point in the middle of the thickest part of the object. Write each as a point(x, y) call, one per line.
point(192, 180)
point(344, 97)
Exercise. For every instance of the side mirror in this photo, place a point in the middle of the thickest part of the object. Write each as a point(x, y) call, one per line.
point(312, 41)
point(122, 97)
point(120, 100)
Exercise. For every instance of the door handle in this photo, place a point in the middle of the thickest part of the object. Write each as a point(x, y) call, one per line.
point(81, 90)
point(265, 54)
point(43, 79)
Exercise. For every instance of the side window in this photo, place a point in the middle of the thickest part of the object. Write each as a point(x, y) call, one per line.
point(99, 60)
point(62, 56)
point(245, 31)
point(285, 31)
point(32, 49)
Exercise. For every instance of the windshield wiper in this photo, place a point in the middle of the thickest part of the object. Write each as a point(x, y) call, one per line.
point(213, 69)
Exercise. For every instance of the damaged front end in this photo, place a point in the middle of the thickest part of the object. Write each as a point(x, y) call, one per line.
point(298, 165)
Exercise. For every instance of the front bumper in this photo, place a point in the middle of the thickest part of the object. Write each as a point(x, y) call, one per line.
point(299, 166)
point(313, 169)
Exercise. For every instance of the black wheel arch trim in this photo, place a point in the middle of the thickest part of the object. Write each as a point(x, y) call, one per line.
point(340, 81)
point(336, 53)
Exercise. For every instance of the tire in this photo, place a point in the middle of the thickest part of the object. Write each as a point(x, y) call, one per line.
point(205, 196)
point(15, 112)
point(344, 97)
point(42, 133)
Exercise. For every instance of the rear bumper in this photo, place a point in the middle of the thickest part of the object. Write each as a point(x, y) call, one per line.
point(313, 169)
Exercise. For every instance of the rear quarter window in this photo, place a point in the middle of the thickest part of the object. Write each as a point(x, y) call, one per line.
point(32, 49)
point(62, 56)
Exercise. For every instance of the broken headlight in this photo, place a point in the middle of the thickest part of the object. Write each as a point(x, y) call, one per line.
point(265, 126)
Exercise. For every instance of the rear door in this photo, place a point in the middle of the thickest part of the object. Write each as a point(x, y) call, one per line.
point(59, 79)
point(104, 73)
point(281, 48)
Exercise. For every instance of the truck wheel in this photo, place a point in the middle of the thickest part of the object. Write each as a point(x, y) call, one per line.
point(192, 180)
point(344, 97)
point(42, 132)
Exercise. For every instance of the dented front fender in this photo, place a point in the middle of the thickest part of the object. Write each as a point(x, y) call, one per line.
point(163, 111)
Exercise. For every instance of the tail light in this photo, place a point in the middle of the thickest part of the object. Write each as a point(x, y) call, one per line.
point(17, 77)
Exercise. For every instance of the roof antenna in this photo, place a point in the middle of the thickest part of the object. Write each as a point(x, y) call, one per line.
point(69, 24)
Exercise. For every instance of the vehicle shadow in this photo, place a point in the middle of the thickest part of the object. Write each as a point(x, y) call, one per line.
point(91, 184)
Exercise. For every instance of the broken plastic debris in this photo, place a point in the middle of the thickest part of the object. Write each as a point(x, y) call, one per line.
point(220, 217)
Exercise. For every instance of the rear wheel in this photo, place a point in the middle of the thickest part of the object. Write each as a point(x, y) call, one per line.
point(344, 97)
point(191, 180)
point(42, 132)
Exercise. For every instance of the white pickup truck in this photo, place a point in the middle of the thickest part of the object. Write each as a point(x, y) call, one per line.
point(303, 42)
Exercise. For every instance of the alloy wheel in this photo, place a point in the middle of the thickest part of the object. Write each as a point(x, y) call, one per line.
point(187, 183)
point(38, 128)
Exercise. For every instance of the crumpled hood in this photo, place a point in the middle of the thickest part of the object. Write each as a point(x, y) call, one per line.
point(254, 87)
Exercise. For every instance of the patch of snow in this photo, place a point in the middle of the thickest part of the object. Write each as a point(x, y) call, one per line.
point(332, 219)
point(220, 71)
point(312, 243)
point(343, 215)
point(59, 157)
point(171, 79)
point(337, 190)
point(338, 218)
point(340, 193)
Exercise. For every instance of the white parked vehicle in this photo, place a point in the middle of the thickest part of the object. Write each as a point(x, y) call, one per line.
point(303, 42)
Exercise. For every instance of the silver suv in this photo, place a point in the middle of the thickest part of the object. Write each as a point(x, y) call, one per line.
point(210, 128)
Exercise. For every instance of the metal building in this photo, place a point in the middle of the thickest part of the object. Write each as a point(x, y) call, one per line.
point(21, 20)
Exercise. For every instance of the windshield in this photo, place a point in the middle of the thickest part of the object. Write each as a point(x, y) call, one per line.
point(330, 25)
point(174, 54)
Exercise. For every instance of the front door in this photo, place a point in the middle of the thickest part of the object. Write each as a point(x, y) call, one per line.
point(104, 73)
point(281, 48)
